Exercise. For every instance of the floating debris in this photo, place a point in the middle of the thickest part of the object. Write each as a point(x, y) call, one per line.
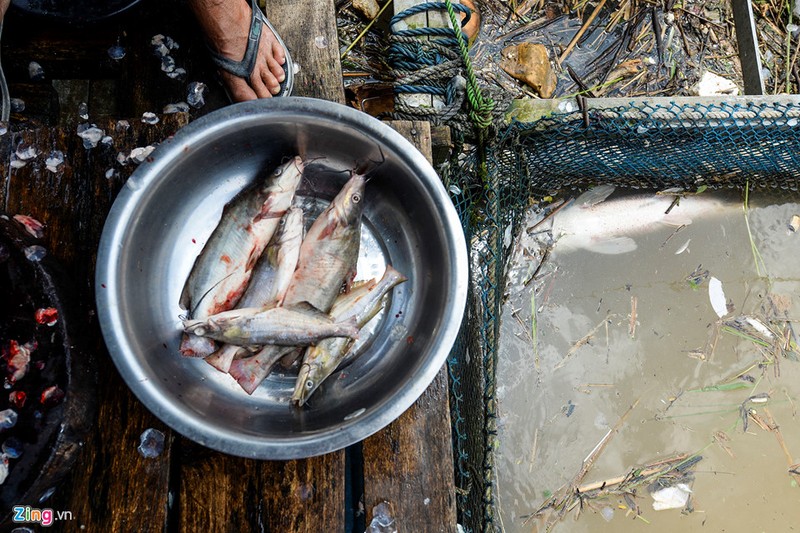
point(671, 497)
point(698, 276)
point(116, 52)
point(711, 84)
point(35, 71)
point(35, 253)
point(607, 513)
point(52, 396)
point(8, 419)
point(47, 316)
point(17, 105)
point(90, 134)
point(31, 225)
point(149, 117)
point(151, 443)
point(179, 107)
point(12, 447)
point(195, 97)
point(717, 297)
point(794, 223)
point(83, 111)
point(54, 160)
point(683, 248)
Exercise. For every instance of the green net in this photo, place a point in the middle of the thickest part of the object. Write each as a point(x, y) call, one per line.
point(554, 145)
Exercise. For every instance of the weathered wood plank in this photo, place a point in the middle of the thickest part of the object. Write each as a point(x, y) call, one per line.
point(224, 493)
point(111, 487)
point(308, 27)
point(410, 463)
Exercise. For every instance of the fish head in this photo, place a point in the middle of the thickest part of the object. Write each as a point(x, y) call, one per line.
point(308, 379)
point(201, 328)
point(349, 203)
point(286, 177)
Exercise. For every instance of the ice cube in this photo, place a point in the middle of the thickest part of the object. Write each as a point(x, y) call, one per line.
point(83, 111)
point(149, 118)
point(17, 105)
point(35, 71)
point(167, 63)
point(116, 52)
point(139, 154)
point(382, 520)
point(26, 152)
point(8, 419)
point(54, 160)
point(179, 107)
point(12, 447)
point(177, 74)
point(91, 135)
point(151, 443)
point(35, 253)
point(195, 97)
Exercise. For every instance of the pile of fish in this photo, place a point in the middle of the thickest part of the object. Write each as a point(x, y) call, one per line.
point(267, 294)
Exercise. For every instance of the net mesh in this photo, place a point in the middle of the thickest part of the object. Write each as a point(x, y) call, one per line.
point(551, 146)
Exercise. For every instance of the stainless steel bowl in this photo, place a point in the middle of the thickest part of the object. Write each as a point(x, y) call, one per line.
point(170, 205)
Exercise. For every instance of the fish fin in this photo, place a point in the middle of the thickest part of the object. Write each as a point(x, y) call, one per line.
point(595, 195)
point(394, 273)
point(612, 245)
point(223, 357)
point(307, 307)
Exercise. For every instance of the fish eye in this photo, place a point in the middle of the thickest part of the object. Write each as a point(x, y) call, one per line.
point(200, 331)
point(278, 171)
point(356, 198)
point(309, 384)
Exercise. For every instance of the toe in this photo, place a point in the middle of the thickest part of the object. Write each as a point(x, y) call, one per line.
point(277, 61)
point(238, 88)
point(260, 84)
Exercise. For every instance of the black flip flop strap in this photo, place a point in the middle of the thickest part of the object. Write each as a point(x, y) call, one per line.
point(244, 68)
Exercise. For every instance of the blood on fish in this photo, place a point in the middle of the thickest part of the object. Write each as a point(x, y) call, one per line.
point(410, 340)
point(17, 399)
point(51, 396)
point(32, 226)
point(225, 258)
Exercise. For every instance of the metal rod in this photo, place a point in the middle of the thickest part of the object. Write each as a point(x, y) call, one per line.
point(747, 40)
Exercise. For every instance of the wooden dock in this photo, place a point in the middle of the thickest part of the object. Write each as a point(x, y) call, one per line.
point(188, 488)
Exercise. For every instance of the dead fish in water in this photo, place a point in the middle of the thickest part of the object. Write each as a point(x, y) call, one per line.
point(221, 271)
point(270, 279)
point(328, 257)
point(283, 326)
point(321, 360)
point(608, 227)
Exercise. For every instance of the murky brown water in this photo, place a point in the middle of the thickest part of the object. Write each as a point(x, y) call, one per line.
point(554, 411)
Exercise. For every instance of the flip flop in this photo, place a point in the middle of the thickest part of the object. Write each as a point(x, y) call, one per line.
point(244, 68)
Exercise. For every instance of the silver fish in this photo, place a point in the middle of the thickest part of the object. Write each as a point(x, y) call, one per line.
point(269, 281)
point(328, 257)
point(321, 360)
point(221, 271)
point(284, 326)
point(609, 227)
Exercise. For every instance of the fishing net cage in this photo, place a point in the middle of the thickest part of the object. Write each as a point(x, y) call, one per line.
point(550, 148)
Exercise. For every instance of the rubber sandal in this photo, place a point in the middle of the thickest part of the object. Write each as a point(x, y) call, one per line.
point(244, 68)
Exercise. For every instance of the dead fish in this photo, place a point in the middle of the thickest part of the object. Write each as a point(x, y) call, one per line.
point(295, 325)
point(329, 251)
point(269, 281)
point(221, 271)
point(328, 257)
point(321, 360)
point(608, 227)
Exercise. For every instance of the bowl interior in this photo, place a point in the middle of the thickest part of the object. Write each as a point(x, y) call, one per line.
point(169, 207)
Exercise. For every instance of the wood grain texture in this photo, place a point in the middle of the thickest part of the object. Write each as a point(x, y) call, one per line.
point(410, 463)
point(111, 487)
point(308, 27)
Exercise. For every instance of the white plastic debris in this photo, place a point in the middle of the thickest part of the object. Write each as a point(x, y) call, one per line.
point(759, 327)
point(711, 84)
point(671, 497)
point(607, 513)
point(794, 223)
point(195, 94)
point(717, 297)
point(683, 248)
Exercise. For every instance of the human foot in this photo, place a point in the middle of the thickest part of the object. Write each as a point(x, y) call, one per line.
point(227, 25)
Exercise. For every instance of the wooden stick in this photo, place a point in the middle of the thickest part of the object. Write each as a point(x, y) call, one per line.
point(586, 338)
point(580, 33)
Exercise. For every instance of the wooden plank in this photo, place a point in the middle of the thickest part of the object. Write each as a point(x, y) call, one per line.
point(224, 493)
point(111, 487)
point(308, 27)
point(410, 463)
